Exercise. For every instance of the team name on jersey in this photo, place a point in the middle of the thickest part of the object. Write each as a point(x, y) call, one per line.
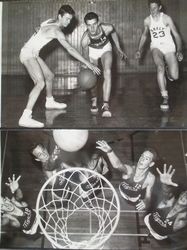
point(28, 217)
point(157, 29)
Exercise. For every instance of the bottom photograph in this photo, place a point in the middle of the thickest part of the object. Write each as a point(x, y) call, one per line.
point(93, 189)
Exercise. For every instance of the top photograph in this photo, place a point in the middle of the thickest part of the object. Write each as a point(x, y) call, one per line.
point(94, 64)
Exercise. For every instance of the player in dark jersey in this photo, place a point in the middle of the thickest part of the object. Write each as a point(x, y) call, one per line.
point(136, 179)
point(51, 164)
point(16, 212)
point(162, 30)
point(171, 214)
point(96, 45)
point(98, 164)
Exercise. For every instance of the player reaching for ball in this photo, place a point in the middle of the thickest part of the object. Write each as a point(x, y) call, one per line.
point(165, 54)
point(96, 45)
point(16, 212)
point(37, 68)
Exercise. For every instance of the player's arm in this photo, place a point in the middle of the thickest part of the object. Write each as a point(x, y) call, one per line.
point(143, 38)
point(73, 52)
point(109, 29)
point(176, 36)
point(145, 203)
point(114, 160)
point(85, 41)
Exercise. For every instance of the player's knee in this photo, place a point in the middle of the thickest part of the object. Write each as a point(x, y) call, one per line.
point(40, 84)
point(107, 73)
point(50, 77)
point(160, 68)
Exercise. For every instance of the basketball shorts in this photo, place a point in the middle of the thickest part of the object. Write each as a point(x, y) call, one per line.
point(27, 53)
point(165, 48)
point(95, 54)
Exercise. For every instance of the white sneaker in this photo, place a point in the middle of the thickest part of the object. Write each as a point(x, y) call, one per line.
point(106, 111)
point(28, 122)
point(52, 104)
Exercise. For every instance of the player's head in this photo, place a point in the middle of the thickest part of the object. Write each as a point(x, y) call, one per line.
point(91, 20)
point(40, 153)
point(182, 200)
point(155, 6)
point(92, 164)
point(65, 15)
point(147, 159)
point(6, 205)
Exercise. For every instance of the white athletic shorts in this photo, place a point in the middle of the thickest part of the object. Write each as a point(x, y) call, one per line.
point(95, 54)
point(27, 53)
point(165, 48)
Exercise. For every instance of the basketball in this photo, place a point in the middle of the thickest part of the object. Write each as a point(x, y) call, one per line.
point(70, 140)
point(86, 79)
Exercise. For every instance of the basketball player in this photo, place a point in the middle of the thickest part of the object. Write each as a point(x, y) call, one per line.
point(96, 45)
point(171, 214)
point(16, 212)
point(162, 30)
point(51, 164)
point(137, 180)
point(98, 164)
point(37, 68)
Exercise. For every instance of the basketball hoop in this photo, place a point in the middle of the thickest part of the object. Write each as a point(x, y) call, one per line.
point(62, 202)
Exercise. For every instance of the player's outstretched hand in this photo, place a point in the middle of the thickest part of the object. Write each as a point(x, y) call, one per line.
point(94, 68)
point(103, 145)
point(166, 176)
point(179, 56)
point(13, 183)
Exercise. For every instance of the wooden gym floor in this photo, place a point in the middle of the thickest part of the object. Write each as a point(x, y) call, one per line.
point(135, 104)
point(131, 233)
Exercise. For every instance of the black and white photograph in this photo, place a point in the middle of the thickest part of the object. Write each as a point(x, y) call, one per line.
point(94, 189)
point(93, 124)
point(94, 64)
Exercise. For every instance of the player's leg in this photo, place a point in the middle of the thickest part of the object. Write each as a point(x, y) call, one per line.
point(93, 91)
point(106, 60)
point(172, 66)
point(158, 58)
point(36, 74)
point(49, 77)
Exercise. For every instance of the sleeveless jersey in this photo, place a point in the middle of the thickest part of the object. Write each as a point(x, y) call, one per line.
point(160, 33)
point(25, 215)
point(131, 188)
point(160, 223)
point(38, 40)
point(98, 41)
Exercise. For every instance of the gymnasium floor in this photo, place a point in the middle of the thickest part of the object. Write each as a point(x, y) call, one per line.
point(131, 233)
point(135, 104)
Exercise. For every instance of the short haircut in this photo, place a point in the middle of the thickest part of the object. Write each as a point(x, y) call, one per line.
point(66, 9)
point(90, 16)
point(32, 148)
point(153, 152)
point(155, 1)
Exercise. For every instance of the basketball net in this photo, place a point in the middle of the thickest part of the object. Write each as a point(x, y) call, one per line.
point(73, 196)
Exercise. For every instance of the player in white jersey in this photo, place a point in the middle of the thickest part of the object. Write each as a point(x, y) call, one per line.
point(37, 68)
point(164, 51)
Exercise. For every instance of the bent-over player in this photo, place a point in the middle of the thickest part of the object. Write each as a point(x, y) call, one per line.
point(37, 68)
point(96, 46)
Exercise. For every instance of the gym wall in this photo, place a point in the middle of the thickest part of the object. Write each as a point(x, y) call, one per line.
point(21, 17)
